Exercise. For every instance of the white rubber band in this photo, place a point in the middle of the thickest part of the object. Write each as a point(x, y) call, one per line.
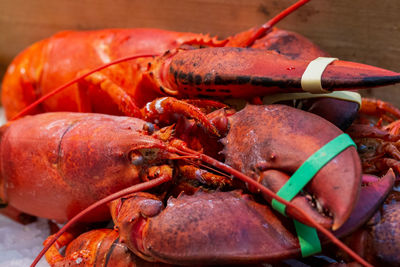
point(341, 95)
point(311, 79)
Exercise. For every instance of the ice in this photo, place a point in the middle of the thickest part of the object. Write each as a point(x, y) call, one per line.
point(2, 116)
point(19, 244)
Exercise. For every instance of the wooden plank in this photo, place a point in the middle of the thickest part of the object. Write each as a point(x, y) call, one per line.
point(357, 30)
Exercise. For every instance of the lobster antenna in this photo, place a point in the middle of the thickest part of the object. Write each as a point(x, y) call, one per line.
point(265, 28)
point(76, 218)
point(66, 85)
point(209, 168)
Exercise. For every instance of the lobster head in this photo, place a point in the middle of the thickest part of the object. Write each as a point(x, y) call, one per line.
point(269, 143)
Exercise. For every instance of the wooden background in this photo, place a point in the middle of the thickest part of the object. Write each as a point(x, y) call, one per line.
point(366, 31)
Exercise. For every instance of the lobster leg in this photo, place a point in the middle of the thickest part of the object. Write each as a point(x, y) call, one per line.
point(119, 96)
point(16, 215)
point(53, 255)
point(393, 128)
point(165, 110)
point(192, 172)
point(378, 107)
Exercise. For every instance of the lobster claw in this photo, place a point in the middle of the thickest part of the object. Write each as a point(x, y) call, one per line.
point(371, 198)
point(244, 72)
point(269, 143)
point(205, 228)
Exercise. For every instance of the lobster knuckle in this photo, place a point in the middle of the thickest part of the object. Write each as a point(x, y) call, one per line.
point(158, 74)
point(384, 237)
point(133, 206)
point(216, 228)
point(101, 247)
point(130, 216)
point(290, 44)
point(158, 171)
point(87, 249)
point(283, 141)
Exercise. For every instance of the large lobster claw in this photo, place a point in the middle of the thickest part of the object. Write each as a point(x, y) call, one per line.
point(271, 142)
point(246, 72)
point(206, 228)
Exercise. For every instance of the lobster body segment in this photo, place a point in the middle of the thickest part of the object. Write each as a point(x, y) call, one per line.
point(55, 164)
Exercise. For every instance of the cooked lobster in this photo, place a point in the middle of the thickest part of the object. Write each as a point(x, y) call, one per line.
point(165, 63)
point(67, 157)
point(182, 65)
point(234, 222)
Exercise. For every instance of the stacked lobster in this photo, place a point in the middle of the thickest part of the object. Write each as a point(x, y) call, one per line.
point(191, 178)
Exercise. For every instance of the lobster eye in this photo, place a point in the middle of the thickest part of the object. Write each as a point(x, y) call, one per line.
point(149, 127)
point(362, 148)
point(136, 158)
point(367, 146)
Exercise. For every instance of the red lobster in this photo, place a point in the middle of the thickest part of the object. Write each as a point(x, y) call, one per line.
point(377, 136)
point(238, 226)
point(238, 66)
point(376, 133)
point(65, 158)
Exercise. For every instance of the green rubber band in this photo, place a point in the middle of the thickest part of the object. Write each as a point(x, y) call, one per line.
point(308, 237)
point(310, 167)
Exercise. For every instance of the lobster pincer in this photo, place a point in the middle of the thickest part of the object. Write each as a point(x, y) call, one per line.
point(205, 228)
point(275, 140)
point(228, 72)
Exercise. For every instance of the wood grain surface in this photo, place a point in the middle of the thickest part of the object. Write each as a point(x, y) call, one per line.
point(366, 31)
